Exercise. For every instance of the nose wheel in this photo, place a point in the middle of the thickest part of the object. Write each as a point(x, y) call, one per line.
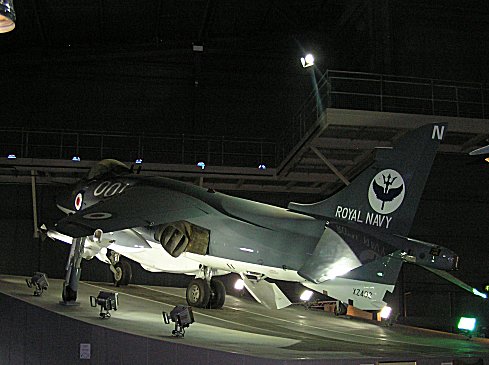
point(123, 273)
point(121, 269)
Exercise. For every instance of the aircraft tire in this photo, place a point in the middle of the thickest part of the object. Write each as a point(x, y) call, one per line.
point(218, 295)
point(198, 293)
point(125, 273)
point(68, 294)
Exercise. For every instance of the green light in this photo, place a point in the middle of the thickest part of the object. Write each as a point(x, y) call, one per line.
point(476, 292)
point(466, 323)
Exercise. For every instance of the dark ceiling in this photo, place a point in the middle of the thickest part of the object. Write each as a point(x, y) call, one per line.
point(125, 65)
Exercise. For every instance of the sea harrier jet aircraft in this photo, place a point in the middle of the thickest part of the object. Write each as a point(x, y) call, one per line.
point(350, 246)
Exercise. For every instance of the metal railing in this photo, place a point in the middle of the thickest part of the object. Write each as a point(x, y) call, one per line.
point(384, 93)
point(335, 89)
point(166, 149)
point(388, 93)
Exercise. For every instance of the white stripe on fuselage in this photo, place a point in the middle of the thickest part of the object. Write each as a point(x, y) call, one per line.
point(65, 210)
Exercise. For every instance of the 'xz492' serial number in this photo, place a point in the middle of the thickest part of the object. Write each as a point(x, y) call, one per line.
point(362, 293)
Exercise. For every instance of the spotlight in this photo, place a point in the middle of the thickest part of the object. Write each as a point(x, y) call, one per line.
point(466, 323)
point(107, 300)
point(262, 167)
point(385, 312)
point(7, 16)
point(39, 281)
point(182, 316)
point(201, 164)
point(307, 61)
point(239, 284)
point(75, 158)
point(306, 295)
point(11, 156)
point(139, 161)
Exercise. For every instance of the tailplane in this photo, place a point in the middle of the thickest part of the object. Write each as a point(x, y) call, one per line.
point(364, 287)
point(387, 193)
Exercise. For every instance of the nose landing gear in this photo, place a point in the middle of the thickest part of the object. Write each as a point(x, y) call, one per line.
point(121, 269)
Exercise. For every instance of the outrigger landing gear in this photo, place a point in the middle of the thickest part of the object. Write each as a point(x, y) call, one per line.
point(121, 269)
point(205, 292)
point(340, 309)
point(73, 272)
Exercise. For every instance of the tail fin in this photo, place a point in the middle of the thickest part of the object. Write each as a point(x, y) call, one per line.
point(387, 193)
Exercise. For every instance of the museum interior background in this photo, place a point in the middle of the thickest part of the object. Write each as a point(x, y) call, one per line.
point(231, 70)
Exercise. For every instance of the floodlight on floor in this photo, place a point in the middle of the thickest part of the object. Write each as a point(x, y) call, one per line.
point(7, 16)
point(107, 301)
point(307, 60)
point(182, 316)
point(39, 281)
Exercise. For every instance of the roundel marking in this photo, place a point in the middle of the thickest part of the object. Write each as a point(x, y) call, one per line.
point(78, 201)
point(386, 191)
point(98, 215)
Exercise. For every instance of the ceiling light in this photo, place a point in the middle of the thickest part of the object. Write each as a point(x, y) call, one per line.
point(307, 61)
point(7, 16)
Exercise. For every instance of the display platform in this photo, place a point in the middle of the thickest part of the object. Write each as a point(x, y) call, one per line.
point(39, 330)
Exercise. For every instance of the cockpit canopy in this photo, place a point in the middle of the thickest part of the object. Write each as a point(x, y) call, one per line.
point(106, 167)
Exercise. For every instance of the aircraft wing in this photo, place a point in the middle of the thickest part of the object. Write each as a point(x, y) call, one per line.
point(136, 207)
point(447, 276)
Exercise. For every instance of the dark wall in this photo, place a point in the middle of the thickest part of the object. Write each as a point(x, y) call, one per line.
point(441, 40)
point(248, 82)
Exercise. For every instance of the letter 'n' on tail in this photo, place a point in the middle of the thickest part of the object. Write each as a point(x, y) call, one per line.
point(387, 193)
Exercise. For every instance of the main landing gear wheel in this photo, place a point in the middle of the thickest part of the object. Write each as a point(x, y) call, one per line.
point(123, 273)
point(68, 294)
point(218, 295)
point(198, 293)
